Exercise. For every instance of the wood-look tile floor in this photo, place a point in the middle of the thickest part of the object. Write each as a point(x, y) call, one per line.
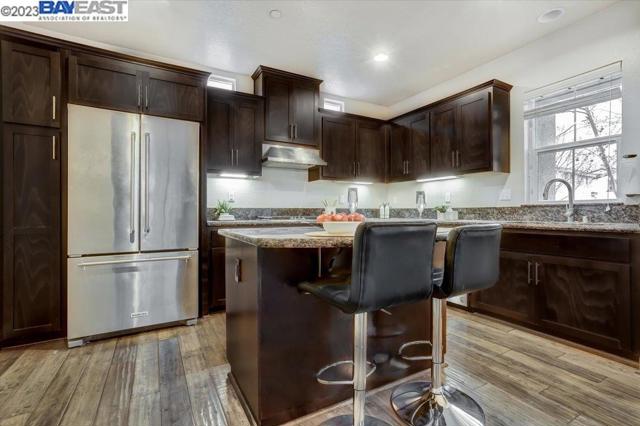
point(177, 376)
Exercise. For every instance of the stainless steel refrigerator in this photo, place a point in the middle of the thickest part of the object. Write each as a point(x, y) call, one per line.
point(132, 221)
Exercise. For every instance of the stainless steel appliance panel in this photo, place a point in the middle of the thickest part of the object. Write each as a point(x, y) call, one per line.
point(169, 188)
point(103, 174)
point(114, 293)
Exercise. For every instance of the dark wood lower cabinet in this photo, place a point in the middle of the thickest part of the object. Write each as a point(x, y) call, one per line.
point(576, 286)
point(31, 273)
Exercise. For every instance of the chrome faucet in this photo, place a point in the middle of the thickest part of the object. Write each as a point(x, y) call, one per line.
point(545, 195)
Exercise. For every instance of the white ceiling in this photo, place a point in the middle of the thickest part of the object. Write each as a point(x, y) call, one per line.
point(428, 41)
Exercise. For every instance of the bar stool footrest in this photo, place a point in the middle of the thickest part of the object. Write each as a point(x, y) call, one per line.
point(415, 343)
point(322, 376)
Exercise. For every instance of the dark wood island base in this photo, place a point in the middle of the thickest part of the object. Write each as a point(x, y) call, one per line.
point(278, 337)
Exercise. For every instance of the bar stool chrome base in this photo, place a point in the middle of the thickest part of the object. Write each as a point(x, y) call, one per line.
point(347, 420)
point(417, 405)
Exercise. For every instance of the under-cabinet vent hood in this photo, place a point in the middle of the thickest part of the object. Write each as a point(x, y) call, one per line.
point(292, 158)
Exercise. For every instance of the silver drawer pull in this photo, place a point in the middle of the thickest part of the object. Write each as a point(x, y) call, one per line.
point(121, 261)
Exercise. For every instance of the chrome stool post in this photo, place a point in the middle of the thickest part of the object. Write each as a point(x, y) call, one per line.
point(472, 264)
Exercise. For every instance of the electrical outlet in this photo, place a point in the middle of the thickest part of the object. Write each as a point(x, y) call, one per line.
point(232, 197)
point(447, 197)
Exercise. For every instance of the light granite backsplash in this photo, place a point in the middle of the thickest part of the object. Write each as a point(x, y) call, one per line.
point(618, 213)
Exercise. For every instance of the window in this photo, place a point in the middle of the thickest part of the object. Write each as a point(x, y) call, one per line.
point(572, 131)
point(333, 105)
point(222, 82)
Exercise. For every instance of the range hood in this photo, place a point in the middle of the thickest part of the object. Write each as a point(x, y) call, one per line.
point(292, 158)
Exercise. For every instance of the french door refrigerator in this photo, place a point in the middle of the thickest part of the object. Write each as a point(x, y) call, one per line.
point(132, 222)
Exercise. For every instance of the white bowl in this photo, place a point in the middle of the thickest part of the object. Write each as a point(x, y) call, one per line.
point(340, 227)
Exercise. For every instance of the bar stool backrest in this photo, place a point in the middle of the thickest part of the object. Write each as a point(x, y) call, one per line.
point(392, 264)
point(472, 260)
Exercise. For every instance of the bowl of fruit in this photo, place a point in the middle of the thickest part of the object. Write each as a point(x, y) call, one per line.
point(340, 224)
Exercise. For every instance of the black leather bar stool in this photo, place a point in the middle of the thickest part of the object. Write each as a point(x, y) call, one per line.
point(391, 265)
point(471, 264)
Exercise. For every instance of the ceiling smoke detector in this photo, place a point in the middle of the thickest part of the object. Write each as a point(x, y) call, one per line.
point(381, 57)
point(275, 14)
point(551, 15)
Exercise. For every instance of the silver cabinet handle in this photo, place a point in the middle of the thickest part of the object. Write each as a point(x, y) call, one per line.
point(237, 273)
point(295, 131)
point(353, 168)
point(53, 147)
point(139, 94)
point(357, 168)
point(537, 276)
point(146, 96)
point(53, 102)
point(121, 261)
point(408, 167)
point(528, 272)
point(231, 156)
point(147, 150)
point(132, 218)
point(290, 131)
point(237, 156)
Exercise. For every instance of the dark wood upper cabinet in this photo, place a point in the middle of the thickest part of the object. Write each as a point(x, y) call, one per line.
point(235, 129)
point(370, 151)
point(474, 132)
point(175, 95)
point(353, 146)
point(398, 152)
point(467, 132)
point(30, 84)
point(291, 111)
point(419, 164)
point(106, 82)
point(31, 281)
point(338, 148)
point(444, 131)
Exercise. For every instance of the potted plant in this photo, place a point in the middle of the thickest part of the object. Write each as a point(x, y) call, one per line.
point(223, 211)
point(440, 211)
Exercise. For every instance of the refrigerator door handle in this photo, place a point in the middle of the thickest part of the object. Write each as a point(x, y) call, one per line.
point(132, 217)
point(121, 261)
point(147, 151)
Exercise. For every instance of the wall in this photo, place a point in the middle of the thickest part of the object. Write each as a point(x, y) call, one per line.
point(608, 36)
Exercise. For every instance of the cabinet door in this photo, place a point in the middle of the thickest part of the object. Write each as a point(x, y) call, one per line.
point(219, 133)
point(474, 133)
point(172, 94)
point(370, 151)
point(419, 161)
point(31, 284)
point(585, 300)
point(30, 85)
point(106, 83)
point(248, 122)
point(303, 112)
point(338, 148)
point(216, 278)
point(513, 296)
point(397, 147)
point(277, 126)
point(443, 139)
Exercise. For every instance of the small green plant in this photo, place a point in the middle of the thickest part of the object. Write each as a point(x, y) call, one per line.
point(223, 207)
point(441, 209)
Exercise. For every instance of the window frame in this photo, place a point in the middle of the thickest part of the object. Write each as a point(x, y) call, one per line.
point(335, 102)
point(532, 153)
point(221, 79)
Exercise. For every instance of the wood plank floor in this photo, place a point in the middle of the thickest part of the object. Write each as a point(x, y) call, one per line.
point(178, 376)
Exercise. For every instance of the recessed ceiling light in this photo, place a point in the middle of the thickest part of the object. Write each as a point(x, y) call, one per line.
point(551, 15)
point(275, 13)
point(381, 57)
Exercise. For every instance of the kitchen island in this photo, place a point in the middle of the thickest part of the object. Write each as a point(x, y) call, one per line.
point(278, 337)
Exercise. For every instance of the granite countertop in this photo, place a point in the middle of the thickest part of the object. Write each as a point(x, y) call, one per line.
point(259, 222)
point(622, 228)
point(295, 237)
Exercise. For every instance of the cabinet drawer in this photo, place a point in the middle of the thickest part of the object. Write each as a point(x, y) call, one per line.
point(604, 248)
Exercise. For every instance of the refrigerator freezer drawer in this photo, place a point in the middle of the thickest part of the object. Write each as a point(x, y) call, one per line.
point(115, 293)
